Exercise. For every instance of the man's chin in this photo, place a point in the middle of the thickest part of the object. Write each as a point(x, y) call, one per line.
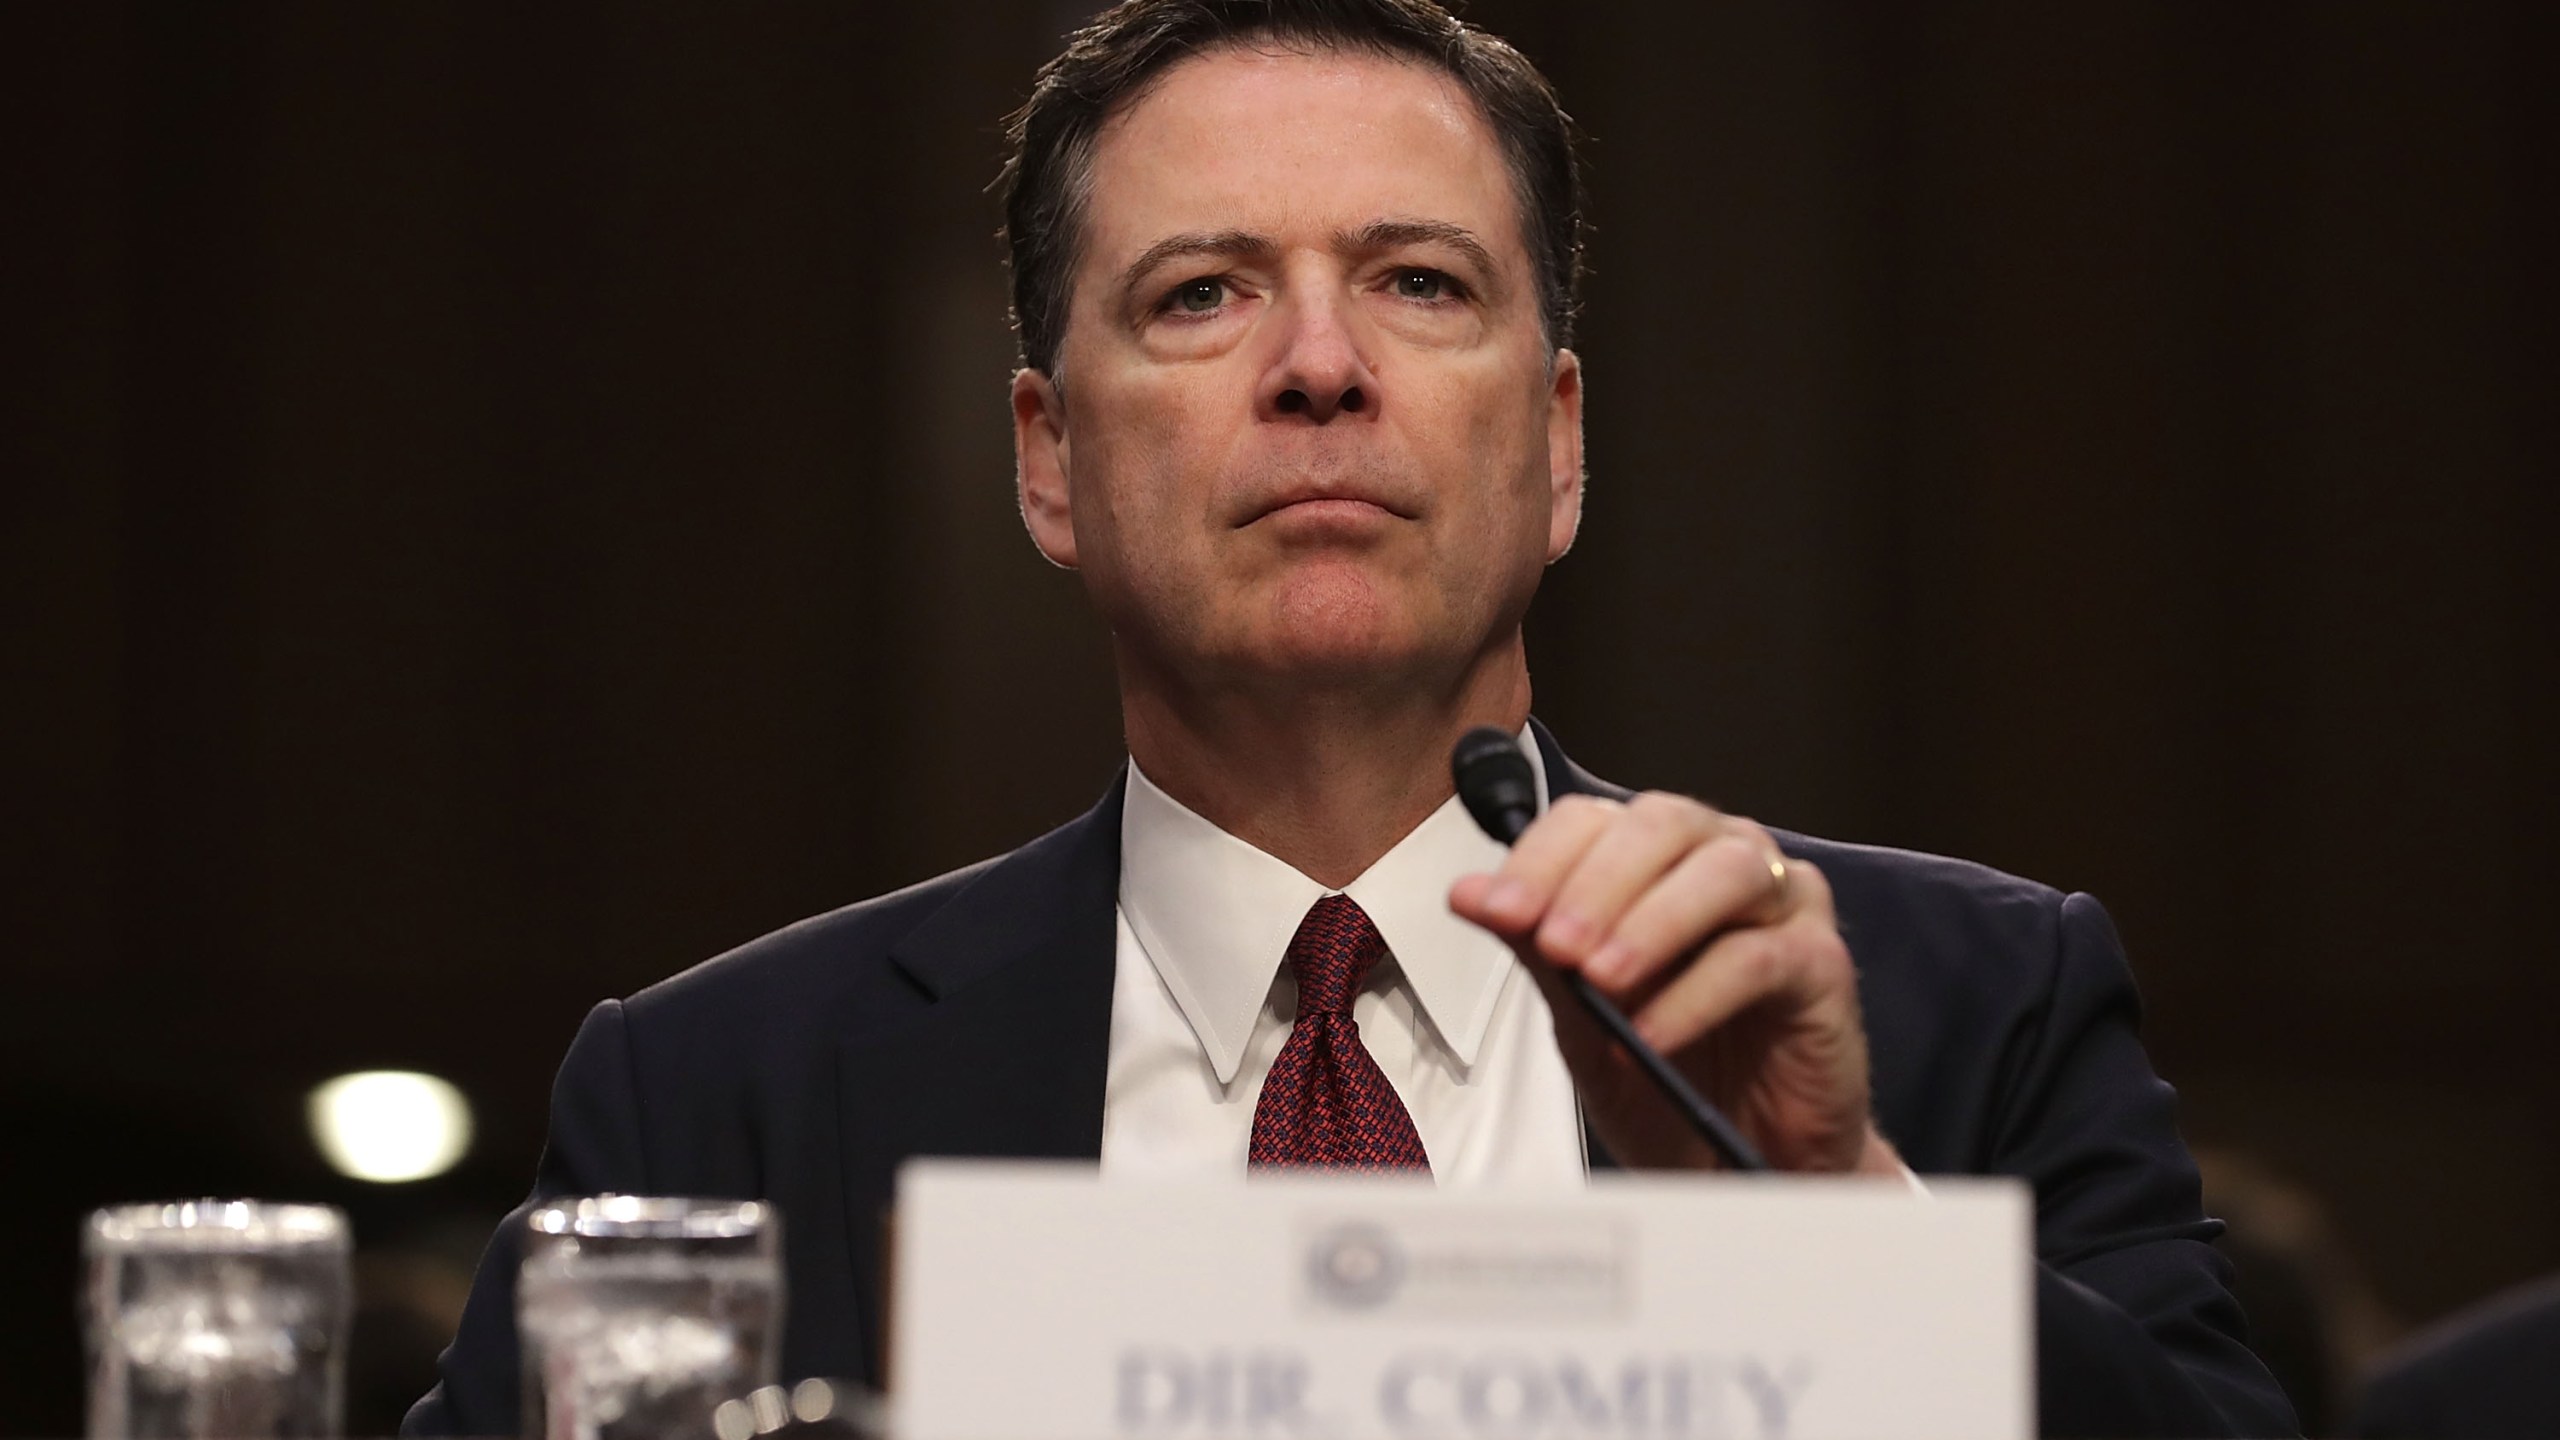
point(1325, 630)
point(1315, 658)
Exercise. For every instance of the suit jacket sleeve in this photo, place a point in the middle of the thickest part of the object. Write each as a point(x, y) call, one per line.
point(2136, 1328)
point(594, 1146)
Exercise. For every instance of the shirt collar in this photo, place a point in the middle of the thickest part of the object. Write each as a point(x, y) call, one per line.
point(1214, 916)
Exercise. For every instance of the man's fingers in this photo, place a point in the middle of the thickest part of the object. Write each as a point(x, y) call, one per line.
point(1727, 881)
point(1735, 973)
point(1518, 896)
point(1802, 960)
point(1643, 843)
point(1589, 862)
point(1808, 891)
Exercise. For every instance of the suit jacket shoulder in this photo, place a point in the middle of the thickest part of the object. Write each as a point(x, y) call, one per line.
point(826, 962)
point(965, 1015)
point(738, 1011)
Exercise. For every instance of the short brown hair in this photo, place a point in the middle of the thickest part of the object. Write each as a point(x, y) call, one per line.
point(1107, 64)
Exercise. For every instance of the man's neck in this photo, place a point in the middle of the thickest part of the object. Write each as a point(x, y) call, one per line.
point(1327, 780)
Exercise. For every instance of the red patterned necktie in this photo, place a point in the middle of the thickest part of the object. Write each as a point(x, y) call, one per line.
point(1326, 1102)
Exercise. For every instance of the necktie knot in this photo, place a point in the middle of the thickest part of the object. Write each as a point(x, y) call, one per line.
point(1336, 947)
point(1326, 1102)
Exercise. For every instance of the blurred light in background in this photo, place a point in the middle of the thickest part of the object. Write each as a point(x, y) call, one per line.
point(390, 1125)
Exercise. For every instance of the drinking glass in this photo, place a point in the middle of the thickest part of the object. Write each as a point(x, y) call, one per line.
point(216, 1318)
point(640, 1315)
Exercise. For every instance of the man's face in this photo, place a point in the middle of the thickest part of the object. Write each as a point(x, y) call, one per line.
point(1306, 427)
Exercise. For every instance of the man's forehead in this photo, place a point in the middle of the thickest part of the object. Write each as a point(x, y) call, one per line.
point(1244, 136)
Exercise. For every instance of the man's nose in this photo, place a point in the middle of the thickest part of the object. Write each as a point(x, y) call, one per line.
point(1321, 369)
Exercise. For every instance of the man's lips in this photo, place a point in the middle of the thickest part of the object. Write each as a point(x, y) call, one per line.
point(1326, 504)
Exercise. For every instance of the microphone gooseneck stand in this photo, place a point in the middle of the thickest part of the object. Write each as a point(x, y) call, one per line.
point(1499, 789)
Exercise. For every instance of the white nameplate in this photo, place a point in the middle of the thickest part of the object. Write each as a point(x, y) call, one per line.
point(1041, 1302)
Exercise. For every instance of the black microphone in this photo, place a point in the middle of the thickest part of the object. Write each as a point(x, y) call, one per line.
point(1499, 789)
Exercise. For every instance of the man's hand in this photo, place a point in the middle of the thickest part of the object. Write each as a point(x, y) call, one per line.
point(1724, 954)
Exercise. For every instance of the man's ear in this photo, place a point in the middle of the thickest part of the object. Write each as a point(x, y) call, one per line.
point(1040, 465)
point(1564, 454)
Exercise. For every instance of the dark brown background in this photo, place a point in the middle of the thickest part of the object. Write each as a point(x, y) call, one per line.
point(506, 505)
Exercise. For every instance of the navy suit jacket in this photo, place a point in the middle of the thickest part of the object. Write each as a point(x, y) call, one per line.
point(970, 1016)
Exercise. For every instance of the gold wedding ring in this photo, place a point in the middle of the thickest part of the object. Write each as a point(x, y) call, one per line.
point(1778, 883)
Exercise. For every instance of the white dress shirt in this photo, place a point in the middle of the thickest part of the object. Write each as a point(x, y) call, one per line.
point(1201, 1001)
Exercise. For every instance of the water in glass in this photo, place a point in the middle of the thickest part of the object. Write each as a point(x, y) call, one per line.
point(216, 1318)
point(639, 1317)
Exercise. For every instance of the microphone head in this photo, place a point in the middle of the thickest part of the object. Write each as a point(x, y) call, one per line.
point(1495, 782)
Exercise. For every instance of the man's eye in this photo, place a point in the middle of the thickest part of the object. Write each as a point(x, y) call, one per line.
point(1197, 297)
point(1422, 285)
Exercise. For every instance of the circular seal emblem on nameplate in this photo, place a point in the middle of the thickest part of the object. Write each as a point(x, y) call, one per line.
point(1355, 1267)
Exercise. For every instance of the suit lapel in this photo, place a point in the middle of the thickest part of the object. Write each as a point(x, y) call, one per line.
point(1004, 1050)
point(1563, 776)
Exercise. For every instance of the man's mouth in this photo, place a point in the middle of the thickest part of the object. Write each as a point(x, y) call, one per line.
point(1328, 503)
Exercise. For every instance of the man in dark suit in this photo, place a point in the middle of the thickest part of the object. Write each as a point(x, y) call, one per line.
point(1295, 281)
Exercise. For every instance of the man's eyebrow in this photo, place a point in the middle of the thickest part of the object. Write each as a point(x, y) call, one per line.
point(1191, 243)
point(1380, 235)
